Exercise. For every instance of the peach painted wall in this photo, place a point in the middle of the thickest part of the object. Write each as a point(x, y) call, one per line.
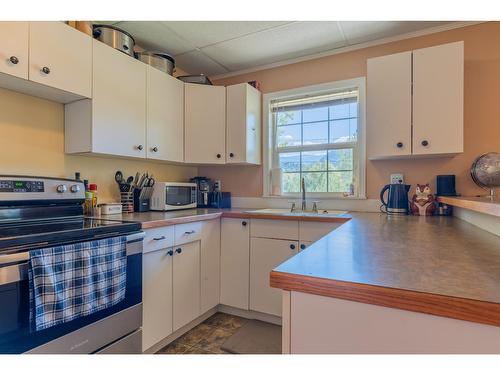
point(481, 108)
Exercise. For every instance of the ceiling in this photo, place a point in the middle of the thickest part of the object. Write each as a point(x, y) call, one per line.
point(219, 47)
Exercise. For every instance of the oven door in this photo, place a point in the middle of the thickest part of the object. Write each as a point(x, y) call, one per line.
point(83, 335)
point(179, 196)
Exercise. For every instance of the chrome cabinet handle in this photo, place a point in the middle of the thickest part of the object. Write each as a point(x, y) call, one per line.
point(159, 238)
point(14, 60)
point(190, 232)
point(46, 70)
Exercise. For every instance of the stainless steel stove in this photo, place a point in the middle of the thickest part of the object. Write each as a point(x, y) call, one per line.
point(39, 212)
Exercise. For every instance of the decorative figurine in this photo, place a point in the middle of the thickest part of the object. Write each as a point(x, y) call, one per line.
point(423, 203)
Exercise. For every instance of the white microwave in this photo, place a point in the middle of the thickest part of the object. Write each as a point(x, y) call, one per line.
point(168, 196)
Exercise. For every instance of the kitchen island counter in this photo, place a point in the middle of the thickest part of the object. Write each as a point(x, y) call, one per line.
point(437, 265)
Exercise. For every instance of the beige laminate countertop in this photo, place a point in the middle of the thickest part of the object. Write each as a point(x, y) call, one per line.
point(438, 265)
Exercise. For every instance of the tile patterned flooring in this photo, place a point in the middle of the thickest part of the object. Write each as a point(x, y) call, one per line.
point(207, 337)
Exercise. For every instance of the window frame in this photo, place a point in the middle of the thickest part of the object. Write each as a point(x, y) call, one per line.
point(359, 152)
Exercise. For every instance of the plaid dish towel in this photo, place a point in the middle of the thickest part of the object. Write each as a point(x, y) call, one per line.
point(71, 281)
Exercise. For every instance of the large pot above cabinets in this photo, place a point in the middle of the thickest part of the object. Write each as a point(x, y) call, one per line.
point(415, 103)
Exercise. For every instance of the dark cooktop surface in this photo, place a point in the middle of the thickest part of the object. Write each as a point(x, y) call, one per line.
point(44, 233)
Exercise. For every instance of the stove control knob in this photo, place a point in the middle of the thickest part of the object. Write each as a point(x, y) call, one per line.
point(61, 188)
point(74, 188)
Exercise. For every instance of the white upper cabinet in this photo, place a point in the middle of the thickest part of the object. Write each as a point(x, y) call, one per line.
point(415, 102)
point(114, 121)
point(119, 103)
point(165, 117)
point(205, 124)
point(389, 105)
point(14, 48)
point(438, 97)
point(60, 57)
point(243, 124)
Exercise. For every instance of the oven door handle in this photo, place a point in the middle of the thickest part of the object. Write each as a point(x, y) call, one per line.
point(13, 273)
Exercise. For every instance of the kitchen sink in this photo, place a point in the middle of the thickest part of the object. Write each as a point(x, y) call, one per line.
point(287, 212)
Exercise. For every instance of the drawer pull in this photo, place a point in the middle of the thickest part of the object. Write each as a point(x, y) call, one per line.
point(14, 60)
point(160, 238)
point(302, 246)
point(45, 70)
point(170, 253)
point(292, 246)
point(178, 251)
point(190, 232)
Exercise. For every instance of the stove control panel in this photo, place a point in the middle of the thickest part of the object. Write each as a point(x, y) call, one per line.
point(21, 186)
point(18, 188)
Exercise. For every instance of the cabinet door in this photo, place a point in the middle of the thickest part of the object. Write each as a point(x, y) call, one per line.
point(156, 297)
point(60, 57)
point(118, 103)
point(14, 48)
point(438, 97)
point(389, 106)
point(234, 263)
point(205, 124)
point(210, 265)
point(312, 231)
point(186, 284)
point(266, 254)
point(165, 116)
point(243, 124)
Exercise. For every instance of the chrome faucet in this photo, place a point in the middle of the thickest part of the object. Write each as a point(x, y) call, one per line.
point(303, 194)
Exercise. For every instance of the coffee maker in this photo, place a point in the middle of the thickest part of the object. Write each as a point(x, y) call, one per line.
point(204, 188)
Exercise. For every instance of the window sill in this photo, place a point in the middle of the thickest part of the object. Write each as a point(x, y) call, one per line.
point(311, 196)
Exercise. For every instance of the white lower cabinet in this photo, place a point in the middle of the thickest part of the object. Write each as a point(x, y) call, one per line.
point(210, 265)
point(156, 296)
point(186, 284)
point(235, 255)
point(266, 254)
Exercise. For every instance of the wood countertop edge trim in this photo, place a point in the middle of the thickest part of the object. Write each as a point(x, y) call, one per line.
point(490, 208)
point(179, 220)
point(440, 305)
point(245, 215)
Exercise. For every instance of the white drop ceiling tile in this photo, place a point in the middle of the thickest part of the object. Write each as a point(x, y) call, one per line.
point(285, 42)
point(364, 31)
point(152, 35)
point(204, 33)
point(196, 62)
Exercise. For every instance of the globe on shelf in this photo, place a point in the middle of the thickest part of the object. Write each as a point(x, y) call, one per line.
point(485, 171)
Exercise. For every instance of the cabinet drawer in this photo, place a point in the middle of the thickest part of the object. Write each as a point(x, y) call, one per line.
point(188, 232)
point(158, 238)
point(281, 229)
point(313, 231)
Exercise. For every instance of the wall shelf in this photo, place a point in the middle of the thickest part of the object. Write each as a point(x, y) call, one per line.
point(485, 205)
